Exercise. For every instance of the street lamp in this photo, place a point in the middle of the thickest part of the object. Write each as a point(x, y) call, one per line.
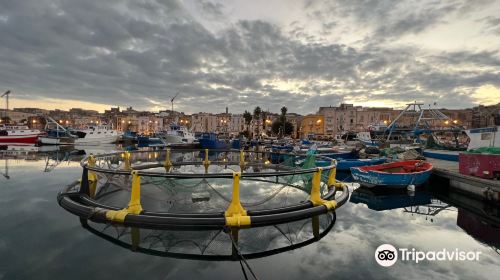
point(446, 122)
point(455, 121)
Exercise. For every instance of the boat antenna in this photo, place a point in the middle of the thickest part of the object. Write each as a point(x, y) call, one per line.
point(6, 94)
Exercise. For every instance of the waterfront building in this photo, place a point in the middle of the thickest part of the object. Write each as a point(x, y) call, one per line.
point(311, 126)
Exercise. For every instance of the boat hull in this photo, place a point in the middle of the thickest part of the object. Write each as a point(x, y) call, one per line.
point(57, 140)
point(97, 140)
point(25, 139)
point(371, 177)
point(346, 164)
point(441, 154)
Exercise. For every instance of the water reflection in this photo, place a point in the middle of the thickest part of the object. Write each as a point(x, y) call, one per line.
point(216, 244)
point(478, 219)
point(39, 240)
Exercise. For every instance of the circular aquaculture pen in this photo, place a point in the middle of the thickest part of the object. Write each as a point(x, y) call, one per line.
point(202, 189)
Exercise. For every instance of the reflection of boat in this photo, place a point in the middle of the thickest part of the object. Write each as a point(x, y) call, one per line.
point(18, 134)
point(16, 151)
point(386, 199)
point(394, 174)
point(96, 150)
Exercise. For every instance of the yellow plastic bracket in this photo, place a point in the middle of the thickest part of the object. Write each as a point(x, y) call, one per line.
point(168, 163)
point(332, 174)
point(242, 159)
point(92, 176)
point(91, 161)
point(126, 158)
point(236, 215)
point(134, 205)
point(206, 162)
point(315, 192)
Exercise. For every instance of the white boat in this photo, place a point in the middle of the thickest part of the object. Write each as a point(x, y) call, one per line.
point(95, 135)
point(18, 134)
point(483, 137)
point(178, 134)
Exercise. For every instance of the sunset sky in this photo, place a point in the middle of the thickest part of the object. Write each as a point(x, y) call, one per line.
point(240, 54)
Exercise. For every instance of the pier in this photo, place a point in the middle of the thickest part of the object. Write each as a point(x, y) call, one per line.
point(481, 188)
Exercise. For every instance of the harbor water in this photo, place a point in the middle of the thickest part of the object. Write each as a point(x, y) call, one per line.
point(40, 240)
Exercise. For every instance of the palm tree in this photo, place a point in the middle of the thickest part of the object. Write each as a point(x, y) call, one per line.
point(283, 110)
point(283, 118)
point(248, 119)
point(256, 115)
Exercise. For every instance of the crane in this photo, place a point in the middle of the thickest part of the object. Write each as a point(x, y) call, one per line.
point(6, 94)
point(172, 101)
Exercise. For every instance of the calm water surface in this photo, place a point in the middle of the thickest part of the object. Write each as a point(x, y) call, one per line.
point(40, 240)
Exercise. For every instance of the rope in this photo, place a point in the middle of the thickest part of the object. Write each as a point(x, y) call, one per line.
point(241, 255)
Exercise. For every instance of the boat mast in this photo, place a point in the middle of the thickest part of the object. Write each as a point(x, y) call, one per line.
point(6, 94)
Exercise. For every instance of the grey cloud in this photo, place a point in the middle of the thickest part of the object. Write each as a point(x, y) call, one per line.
point(120, 52)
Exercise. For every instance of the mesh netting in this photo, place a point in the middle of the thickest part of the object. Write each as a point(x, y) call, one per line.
point(217, 243)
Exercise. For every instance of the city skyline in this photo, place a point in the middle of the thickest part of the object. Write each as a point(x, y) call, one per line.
point(238, 54)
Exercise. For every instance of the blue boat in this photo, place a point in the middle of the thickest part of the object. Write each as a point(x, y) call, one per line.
point(146, 141)
point(210, 141)
point(340, 155)
point(441, 154)
point(346, 164)
point(394, 174)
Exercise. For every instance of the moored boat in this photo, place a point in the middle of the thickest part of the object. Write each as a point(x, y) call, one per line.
point(346, 164)
point(95, 135)
point(18, 134)
point(210, 141)
point(177, 134)
point(441, 154)
point(483, 137)
point(394, 174)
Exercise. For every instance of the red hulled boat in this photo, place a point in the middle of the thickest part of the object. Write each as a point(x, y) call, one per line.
point(18, 134)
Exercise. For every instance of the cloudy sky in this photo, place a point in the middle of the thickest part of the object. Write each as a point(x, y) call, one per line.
point(240, 54)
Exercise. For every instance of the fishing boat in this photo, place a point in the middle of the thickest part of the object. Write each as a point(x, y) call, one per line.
point(57, 137)
point(394, 174)
point(95, 135)
point(483, 137)
point(18, 134)
point(150, 141)
point(177, 134)
point(210, 141)
point(346, 164)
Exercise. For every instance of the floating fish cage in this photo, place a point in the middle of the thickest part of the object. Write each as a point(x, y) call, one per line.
point(202, 189)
